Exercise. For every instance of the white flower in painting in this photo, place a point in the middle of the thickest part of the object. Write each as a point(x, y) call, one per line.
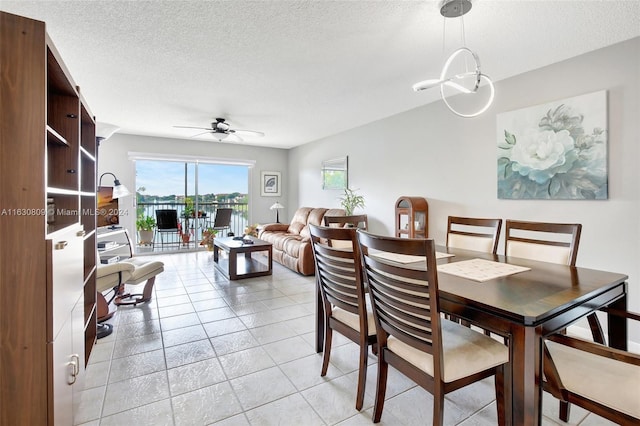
point(540, 155)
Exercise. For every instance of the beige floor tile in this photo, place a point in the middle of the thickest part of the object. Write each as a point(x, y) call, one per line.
point(209, 351)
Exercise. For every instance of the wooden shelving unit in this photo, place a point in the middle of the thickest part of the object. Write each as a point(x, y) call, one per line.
point(412, 217)
point(48, 245)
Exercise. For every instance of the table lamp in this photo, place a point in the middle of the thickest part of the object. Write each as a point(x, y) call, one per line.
point(277, 206)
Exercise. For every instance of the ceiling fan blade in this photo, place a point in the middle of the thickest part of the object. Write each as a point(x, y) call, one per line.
point(249, 133)
point(191, 127)
point(200, 134)
point(233, 137)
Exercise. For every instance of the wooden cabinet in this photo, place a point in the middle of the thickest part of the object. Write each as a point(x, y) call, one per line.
point(412, 217)
point(47, 224)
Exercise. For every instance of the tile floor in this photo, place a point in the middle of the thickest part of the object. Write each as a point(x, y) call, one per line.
point(208, 351)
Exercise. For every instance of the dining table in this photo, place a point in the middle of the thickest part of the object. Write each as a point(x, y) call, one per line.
point(525, 307)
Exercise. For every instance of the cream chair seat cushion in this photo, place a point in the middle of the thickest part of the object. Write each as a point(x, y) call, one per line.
point(111, 275)
point(143, 269)
point(465, 352)
point(353, 320)
point(612, 383)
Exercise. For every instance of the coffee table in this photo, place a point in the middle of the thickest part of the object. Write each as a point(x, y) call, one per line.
point(236, 267)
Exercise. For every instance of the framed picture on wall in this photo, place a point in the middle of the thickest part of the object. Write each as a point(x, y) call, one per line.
point(335, 173)
point(270, 184)
point(555, 151)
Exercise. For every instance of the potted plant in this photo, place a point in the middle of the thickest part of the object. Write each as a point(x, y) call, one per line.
point(207, 238)
point(188, 207)
point(351, 201)
point(145, 225)
point(251, 230)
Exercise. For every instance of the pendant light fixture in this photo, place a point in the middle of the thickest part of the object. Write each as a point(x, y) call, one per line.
point(467, 82)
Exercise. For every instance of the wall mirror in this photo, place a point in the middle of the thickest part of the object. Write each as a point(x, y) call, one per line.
point(335, 173)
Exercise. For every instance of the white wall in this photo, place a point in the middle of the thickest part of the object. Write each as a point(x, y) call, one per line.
point(113, 156)
point(451, 162)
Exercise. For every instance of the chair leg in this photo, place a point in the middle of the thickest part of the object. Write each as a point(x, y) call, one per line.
point(438, 405)
point(500, 396)
point(328, 335)
point(381, 387)
point(565, 411)
point(362, 375)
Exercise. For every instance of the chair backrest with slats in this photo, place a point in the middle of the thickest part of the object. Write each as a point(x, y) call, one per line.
point(404, 299)
point(473, 233)
point(338, 270)
point(546, 242)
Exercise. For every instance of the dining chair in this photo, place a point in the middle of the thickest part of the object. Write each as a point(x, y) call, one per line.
point(546, 242)
point(549, 242)
point(166, 223)
point(595, 377)
point(470, 233)
point(339, 278)
point(440, 356)
point(356, 221)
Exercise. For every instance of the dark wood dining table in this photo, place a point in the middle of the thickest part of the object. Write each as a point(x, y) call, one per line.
point(525, 307)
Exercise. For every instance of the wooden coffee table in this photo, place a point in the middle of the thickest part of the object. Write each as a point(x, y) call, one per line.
point(236, 267)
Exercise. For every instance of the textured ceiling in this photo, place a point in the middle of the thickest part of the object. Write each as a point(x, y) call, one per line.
point(299, 70)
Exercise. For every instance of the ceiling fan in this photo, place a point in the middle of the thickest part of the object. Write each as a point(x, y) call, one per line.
point(220, 130)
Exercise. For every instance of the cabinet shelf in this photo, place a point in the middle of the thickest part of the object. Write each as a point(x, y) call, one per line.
point(120, 237)
point(55, 137)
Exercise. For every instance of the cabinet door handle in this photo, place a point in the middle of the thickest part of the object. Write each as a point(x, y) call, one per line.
point(75, 366)
point(81, 233)
point(61, 245)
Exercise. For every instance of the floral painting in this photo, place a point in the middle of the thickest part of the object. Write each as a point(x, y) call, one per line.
point(554, 151)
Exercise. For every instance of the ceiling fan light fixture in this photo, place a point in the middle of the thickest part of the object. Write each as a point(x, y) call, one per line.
point(220, 135)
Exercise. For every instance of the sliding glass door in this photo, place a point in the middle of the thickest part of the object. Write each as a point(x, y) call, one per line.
point(195, 190)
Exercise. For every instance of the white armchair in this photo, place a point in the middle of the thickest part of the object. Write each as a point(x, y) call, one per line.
point(114, 277)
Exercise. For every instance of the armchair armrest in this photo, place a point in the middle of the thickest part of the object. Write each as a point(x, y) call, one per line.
point(623, 314)
point(281, 227)
point(596, 348)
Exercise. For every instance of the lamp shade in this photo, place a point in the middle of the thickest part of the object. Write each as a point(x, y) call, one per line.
point(119, 190)
point(277, 206)
point(105, 130)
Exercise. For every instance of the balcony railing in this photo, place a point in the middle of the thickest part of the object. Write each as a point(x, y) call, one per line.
point(206, 212)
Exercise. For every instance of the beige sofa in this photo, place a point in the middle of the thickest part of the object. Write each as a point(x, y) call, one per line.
point(291, 242)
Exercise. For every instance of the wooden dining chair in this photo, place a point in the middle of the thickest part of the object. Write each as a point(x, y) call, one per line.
point(598, 378)
point(440, 356)
point(339, 276)
point(549, 242)
point(546, 242)
point(470, 233)
point(356, 221)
